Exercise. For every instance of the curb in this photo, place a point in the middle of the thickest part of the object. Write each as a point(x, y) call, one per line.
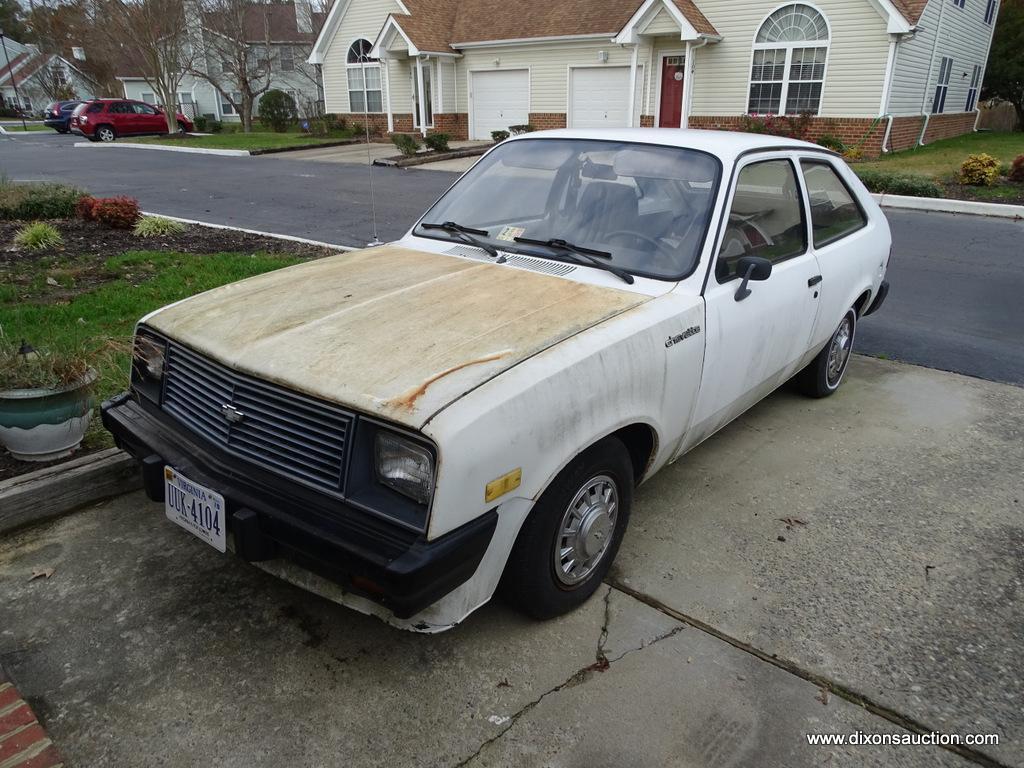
point(23, 740)
point(401, 161)
point(54, 491)
point(164, 148)
point(292, 238)
point(947, 205)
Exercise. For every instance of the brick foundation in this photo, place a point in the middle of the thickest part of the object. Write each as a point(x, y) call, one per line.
point(455, 124)
point(948, 125)
point(646, 121)
point(544, 121)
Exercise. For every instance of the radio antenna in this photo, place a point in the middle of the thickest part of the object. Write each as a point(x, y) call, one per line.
point(369, 157)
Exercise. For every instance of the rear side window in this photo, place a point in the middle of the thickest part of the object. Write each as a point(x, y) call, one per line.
point(834, 210)
point(94, 108)
point(766, 218)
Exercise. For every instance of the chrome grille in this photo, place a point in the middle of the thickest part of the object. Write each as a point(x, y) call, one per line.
point(286, 432)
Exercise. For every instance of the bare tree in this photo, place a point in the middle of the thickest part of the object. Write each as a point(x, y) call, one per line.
point(54, 83)
point(236, 57)
point(155, 34)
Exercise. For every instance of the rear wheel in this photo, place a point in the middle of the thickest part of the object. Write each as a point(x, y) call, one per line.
point(825, 372)
point(105, 133)
point(181, 127)
point(570, 539)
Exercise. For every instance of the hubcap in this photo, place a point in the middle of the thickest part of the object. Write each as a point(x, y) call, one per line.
point(839, 351)
point(586, 530)
point(106, 134)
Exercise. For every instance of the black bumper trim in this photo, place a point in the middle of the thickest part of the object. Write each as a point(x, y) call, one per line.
point(269, 517)
point(883, 291)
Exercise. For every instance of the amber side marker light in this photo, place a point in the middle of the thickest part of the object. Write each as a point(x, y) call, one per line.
point(507, 482)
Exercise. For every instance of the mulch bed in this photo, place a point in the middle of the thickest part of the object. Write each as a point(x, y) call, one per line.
point(1014, 196)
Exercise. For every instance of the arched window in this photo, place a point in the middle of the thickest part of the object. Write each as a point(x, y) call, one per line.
point(789, 62)
point(364, 81)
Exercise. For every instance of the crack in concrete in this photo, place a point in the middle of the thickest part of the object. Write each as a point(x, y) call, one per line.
point(838, 689)
point(576, 678)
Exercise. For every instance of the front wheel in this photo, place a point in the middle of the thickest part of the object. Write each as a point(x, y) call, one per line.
point(568, 542)
point(825, 372)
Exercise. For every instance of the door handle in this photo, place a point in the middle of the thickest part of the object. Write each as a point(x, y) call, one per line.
point(814, 281)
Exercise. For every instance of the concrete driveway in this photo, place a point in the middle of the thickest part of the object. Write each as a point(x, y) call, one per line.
point(849, 564)
point(358, 154)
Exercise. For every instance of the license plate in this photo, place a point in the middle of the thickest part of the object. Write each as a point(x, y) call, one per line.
point(196, 508)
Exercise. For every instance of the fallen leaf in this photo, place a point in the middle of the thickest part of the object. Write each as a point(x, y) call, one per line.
point(51, 281)
point(823, 696)
point(41, 573)
point(504, 683)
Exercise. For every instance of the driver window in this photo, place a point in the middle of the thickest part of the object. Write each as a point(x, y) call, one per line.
point(766, 218)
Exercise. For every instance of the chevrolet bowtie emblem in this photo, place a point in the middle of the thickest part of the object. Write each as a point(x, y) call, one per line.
point(232, 414)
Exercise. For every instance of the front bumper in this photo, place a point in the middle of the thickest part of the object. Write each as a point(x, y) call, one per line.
point(270, 517)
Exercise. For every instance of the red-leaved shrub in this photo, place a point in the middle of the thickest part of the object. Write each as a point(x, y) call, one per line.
point(116, 212)
point(1017, 169)
point(84, 208)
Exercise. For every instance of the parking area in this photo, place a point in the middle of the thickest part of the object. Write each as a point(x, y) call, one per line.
point(850, 564)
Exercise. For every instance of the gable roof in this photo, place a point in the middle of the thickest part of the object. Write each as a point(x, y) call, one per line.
point(911, 10)
point(23, 66)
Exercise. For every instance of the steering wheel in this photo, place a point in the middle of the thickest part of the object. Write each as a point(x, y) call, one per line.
point(659, 246)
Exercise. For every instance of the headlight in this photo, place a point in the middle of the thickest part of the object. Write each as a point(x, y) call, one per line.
point(148, 356)
point(404, 466)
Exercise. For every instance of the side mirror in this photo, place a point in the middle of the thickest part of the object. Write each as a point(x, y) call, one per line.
point(752, 268)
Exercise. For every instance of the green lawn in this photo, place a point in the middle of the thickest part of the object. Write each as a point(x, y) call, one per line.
point(102, 300)
point(941, 160)
point(16, 127)
point(254, 140)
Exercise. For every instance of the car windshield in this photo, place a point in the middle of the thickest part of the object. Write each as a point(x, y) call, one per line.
point(648, 206)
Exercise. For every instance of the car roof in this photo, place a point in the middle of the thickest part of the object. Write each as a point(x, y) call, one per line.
point(727, 145)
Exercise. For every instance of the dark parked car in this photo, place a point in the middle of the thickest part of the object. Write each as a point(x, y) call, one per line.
point(106, 119)
point(58, 115)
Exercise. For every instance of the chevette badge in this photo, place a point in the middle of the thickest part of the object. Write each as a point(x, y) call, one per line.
point(231, 414)
point(693, 330)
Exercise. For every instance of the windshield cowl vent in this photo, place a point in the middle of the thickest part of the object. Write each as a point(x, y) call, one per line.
point(544, 266)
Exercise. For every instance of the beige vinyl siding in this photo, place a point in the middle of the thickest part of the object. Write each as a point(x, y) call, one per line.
point(360, 19)
point(661, 24)
point(856, 60)
point(548, 65)
point(962, 34)
point(444, 96)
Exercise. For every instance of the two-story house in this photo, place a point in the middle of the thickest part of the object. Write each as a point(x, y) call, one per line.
point(280, 37)
point(878, 73)
point(33, 79)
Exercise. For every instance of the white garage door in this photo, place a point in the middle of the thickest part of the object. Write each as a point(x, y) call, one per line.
point(500, 99)
point(599, 97)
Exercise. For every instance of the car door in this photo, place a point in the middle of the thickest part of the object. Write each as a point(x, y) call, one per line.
point(843, 243)
point(122, 117)
point(148, 119)
point(755, 341)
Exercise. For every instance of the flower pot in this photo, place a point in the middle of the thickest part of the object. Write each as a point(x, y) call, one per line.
point(45, 424)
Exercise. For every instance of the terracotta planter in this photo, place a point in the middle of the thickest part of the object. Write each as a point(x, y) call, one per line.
point(45, 424)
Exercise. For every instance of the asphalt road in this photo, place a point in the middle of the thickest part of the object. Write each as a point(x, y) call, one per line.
point(957, 281)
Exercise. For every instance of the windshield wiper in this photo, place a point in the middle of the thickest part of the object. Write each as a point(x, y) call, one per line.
point(466, 235)
point(588, 255)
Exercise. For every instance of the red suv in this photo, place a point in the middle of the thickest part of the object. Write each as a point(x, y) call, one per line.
point(106, 119)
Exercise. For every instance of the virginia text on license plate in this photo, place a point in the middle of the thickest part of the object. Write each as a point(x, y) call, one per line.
point(195, 508)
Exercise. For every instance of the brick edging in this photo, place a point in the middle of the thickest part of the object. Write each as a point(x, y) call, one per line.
point(24, 742)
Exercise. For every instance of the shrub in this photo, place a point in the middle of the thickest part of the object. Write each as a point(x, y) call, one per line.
point(357, 129)
point(157, 226)
point(201, 123)
point(853, 154)
point(979, 170)
point(499, 136)
point(37, 236)
point(438, 141)
point(1017, 169)
point(85, 208)
point(43, 369)
point(830, 141)
point(116, 212)
point(789, 126)
point(28, 202)
point(215, 126)
point(277, 109)
point(406, 144)
point(515, 130)
point(885, 182)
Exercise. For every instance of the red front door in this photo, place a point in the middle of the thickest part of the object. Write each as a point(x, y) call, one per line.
point(671, 113)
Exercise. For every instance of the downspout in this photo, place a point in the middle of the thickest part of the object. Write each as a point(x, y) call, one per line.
point(632, 84)
point(688, 91)
point(928, 77)
point(888, 133)
point(422, 101)
point(890, 66)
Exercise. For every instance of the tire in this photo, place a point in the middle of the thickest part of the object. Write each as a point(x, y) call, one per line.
point(540, 582)
point(105, 133)
point(825, 373)
point(181, 128)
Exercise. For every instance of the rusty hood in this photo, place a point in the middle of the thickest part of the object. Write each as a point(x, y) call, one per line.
point(390, 331)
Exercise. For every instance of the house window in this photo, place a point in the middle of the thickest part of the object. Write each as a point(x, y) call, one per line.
point(945, 69)
point(788, 70)
point(990, 12)
point(959, 3)
point(149, 98)
point(972, 93)
point(364, 80)
point(226, 108)
point(287, 58)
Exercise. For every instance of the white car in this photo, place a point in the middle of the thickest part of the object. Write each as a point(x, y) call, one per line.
point(410, 428)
